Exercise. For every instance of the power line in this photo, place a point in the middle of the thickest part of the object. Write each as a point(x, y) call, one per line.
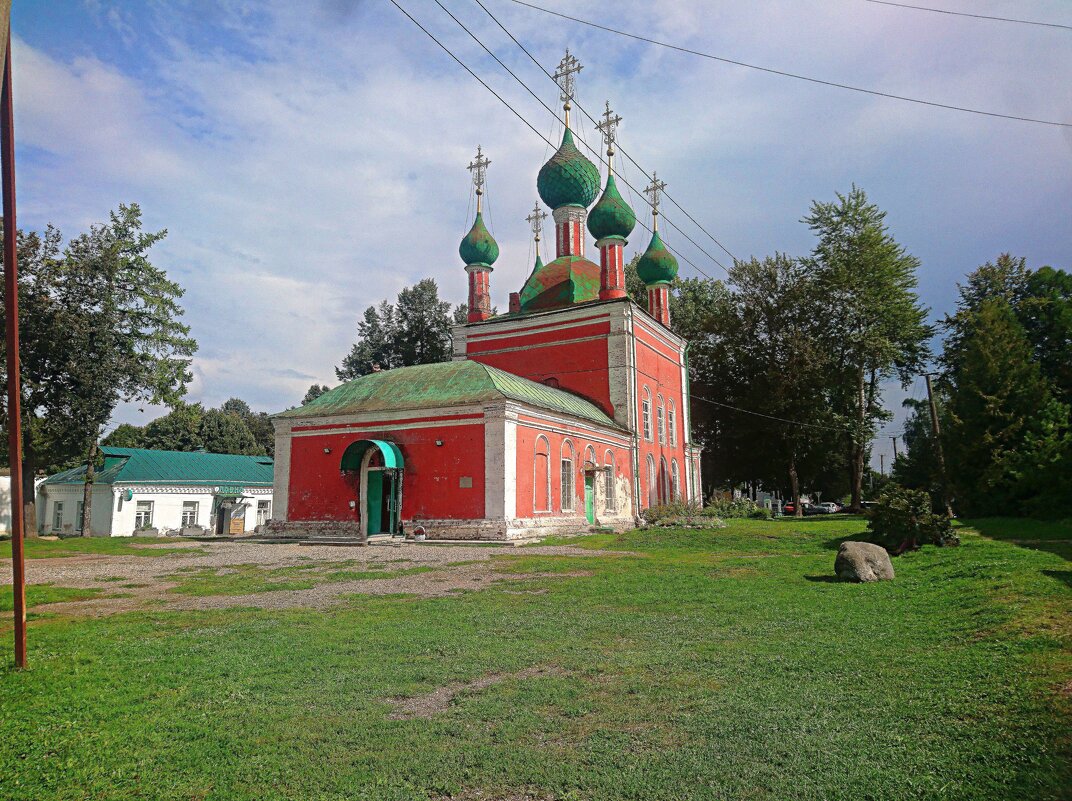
point(528, 124)
point(975, 16)
point(621, 149)
point(553, 113)
point(796, 76)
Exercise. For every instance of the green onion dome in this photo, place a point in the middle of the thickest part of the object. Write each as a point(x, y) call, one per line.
point(478, 246)
point(657, 265)
point(611, 216)
point(568, 178)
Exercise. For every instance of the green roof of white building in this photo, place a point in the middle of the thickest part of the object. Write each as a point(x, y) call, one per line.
point(145, 466)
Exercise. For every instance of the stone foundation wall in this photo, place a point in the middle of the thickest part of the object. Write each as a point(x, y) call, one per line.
point(313, 529)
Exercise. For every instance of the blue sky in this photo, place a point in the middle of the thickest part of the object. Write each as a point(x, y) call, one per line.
point(308, 159)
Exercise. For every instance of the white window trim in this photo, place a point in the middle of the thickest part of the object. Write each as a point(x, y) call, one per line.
point(138, 512)
point(645, 414)
point(653, 481)
point(57, 515)
point(610, 501)
point(660, 416)
point(547, 474)
point(196, 509)
point(671, 421)
point(567, 446)
point(675, 480)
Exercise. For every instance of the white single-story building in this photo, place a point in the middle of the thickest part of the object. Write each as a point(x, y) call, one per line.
point(161, 492)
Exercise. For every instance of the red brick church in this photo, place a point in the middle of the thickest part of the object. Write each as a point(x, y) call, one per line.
point(567, 412)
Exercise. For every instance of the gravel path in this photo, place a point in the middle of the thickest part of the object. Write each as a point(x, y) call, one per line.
point(146, 581)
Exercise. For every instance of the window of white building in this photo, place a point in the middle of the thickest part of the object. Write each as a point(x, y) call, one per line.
point(264, 512)
point(143, 514)
point(79, 511)
point(57, 516)
point(189, 513)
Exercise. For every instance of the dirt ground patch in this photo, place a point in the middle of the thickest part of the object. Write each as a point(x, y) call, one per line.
point(439, 699)
point(150, 581)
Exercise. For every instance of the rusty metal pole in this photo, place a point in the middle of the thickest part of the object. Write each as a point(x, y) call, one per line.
point(14, 393)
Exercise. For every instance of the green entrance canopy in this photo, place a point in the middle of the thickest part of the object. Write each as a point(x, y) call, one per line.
point(355, 453)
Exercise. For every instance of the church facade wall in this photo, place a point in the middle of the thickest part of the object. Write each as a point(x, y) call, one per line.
point(664, 469)
point(444, 474)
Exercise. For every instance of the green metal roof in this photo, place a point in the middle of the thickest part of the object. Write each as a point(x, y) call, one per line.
point(568, 178)
point(560, 283)
point(479, 246)
point(427, 386)
point(144, 466)
point(657, 265)
point(611, 216)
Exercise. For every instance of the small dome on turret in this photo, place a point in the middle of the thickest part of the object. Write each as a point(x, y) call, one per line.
point(478, 246)
point(657, 265)
point(568, 178)
point(611, 216)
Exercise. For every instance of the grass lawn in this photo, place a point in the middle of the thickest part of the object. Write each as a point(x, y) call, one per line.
point(714, 665)
point(37, 548)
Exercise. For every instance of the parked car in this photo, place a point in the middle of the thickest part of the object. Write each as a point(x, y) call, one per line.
point(830, 507)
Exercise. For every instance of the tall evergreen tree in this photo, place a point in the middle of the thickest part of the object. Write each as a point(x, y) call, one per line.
point(414, 330)
point(875, 326)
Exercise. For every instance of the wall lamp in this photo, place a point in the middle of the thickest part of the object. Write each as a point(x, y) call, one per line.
point(439, 443)
point(327, 450)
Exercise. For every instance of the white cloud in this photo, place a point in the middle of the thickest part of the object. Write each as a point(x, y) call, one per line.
point(309, 159)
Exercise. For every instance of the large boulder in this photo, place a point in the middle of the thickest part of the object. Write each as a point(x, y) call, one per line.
point(863, 561)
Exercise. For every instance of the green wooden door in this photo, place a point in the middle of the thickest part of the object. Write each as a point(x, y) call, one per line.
point(374, 501)
point(589, 497)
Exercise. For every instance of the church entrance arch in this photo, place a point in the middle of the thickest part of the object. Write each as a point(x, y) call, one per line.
point(379, 468)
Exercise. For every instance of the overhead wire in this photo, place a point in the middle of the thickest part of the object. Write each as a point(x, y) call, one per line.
point(598, 155)
point(974, 16)
point(621, 149)
point(534, 130)
point(795, 76)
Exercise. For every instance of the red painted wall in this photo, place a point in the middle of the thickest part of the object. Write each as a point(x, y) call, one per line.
point(659, 369)
point(319, 490)
point(527, 436)
point(579, 367)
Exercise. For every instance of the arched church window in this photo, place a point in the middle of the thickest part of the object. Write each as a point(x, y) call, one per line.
point(653, 496)
point(671, 422)
point(645, 414)
point(541, 476)
point(610, 502)
point(660, 412)
point(664, 481)
point(675, 480)
point(590, 458)
point(568, 486)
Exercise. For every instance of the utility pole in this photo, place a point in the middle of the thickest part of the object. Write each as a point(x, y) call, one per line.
point(938, 448)
point(11, 310)
point(894, 448)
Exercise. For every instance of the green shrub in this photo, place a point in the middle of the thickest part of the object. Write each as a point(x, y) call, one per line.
point(903, 520)
point(679, 514)
point(736, 508)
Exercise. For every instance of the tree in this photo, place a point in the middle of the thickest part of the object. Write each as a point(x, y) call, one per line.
point(101, 324)
point(1008, 436)
point(227, 432)
point(874, 325)
point(178, 430)
point(415, 330)
point(125, 435)
point(315, 391)
point(916, 466)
